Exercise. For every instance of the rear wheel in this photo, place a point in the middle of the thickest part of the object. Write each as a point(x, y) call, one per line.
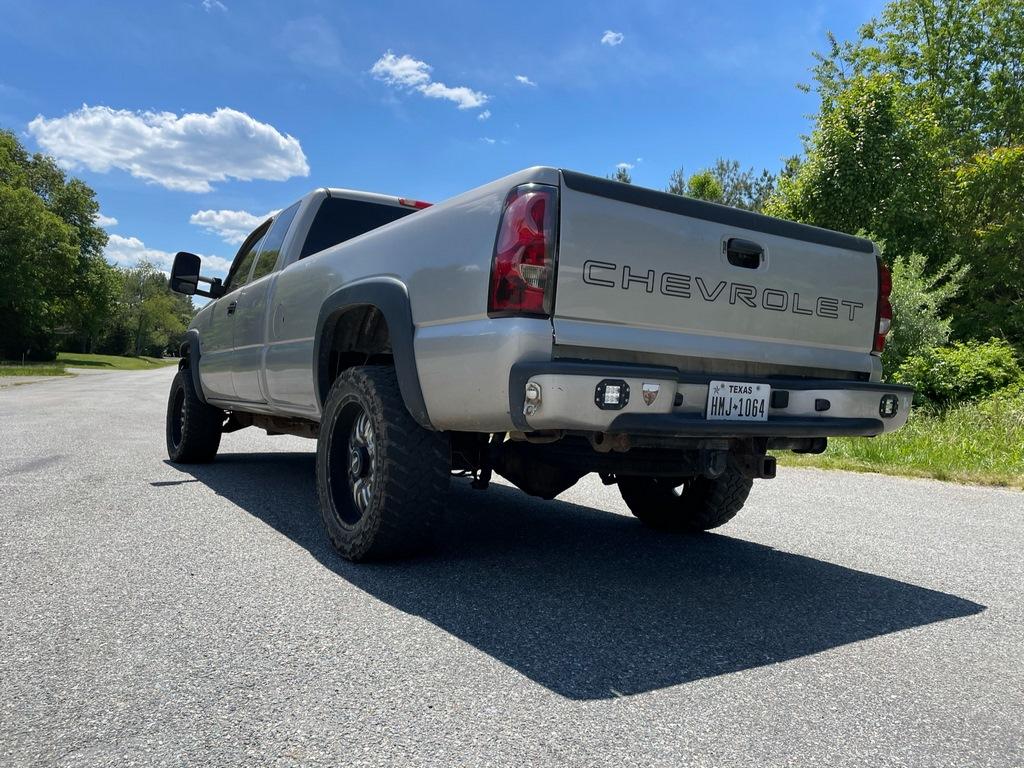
point(193, 427)
point(382, 479)
point(696, 504)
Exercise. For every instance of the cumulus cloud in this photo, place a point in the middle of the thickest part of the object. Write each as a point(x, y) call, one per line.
point(231, 226)
point(105, 221)
point(408, 73)
point(612, 38)
point(130, 251)
point(182, 153)
point(625, 166)
point(487, 140)
point(214, 5)
point(485, 115)
point(525, 80)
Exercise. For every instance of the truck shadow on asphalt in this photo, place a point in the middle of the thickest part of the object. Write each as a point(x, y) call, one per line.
point(590, 604)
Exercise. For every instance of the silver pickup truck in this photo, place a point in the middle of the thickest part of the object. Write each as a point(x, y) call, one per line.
point(544, 326)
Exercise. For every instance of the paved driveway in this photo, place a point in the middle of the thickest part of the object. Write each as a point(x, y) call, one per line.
point(156, 615)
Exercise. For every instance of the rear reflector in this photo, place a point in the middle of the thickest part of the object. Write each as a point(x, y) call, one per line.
point(523, 268)
point(884, 313)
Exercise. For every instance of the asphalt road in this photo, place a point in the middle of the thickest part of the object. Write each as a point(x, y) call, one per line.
point(156, 615)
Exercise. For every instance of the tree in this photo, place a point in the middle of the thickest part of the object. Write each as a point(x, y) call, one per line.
point(37, 257)
point(918, 300)
point(988, 206)
point(150, 316)
point(75, 303)
point(920, 138)
point(704, 186)
point(725, 182)
point(621, 174)
point(875, 161)
point(963, 60)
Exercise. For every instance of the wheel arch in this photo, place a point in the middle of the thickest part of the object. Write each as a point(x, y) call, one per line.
point(389, 300)
point(189, 350)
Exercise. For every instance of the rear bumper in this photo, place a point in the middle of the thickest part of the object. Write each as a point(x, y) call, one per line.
point(810, 408)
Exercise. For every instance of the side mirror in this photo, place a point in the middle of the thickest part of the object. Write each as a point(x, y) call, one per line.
point(185, 277)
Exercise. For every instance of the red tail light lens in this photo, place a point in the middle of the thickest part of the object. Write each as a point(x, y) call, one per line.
point(884, 307)
point(523, 269)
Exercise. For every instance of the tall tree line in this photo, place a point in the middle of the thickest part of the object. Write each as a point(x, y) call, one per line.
point(57, 290)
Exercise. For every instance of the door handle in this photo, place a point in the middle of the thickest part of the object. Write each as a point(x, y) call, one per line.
point(232, 307)
point(743, 253)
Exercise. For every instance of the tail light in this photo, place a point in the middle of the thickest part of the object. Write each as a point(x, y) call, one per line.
point(884, 307)
point(523, 268)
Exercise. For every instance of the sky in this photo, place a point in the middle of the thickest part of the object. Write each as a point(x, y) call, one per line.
point(193, 120)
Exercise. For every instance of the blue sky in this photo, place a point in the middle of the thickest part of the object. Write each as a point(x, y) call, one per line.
point(418, 99)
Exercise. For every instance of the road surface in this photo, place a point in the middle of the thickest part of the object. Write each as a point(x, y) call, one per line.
point(161, 615)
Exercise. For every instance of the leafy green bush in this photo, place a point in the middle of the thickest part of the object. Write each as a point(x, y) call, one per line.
point(961, 372)
point(917, 299)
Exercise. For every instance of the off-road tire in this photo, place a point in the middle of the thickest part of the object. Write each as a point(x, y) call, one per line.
point(193, 428)
point(409, 469)
point(699, 504)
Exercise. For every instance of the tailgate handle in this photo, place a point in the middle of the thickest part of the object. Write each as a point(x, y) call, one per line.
point(743, 253)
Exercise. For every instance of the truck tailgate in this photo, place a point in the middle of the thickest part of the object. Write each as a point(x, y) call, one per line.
point(652, 272)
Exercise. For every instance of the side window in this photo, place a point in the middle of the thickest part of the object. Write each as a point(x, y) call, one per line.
point(272, 243)
point(339, 220)
point(239, 274)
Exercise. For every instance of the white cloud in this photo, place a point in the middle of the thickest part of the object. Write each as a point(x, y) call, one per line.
point(463, 97)
point(625, 166)
point(401, 71)
point(487, 140)
point(612, 38)
point(181, 153)
point(485, 115)
point(214, 5)
point(105, 221)
point(129, 251)
point(525, 80)
point(412, 74)
point(231, 226)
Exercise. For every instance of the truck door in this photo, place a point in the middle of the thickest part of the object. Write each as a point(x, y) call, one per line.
point(250, 331)
point(215, 364)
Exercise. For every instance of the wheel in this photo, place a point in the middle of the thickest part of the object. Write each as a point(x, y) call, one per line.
point(697, 504)
point(382, 479)
point(193, 427)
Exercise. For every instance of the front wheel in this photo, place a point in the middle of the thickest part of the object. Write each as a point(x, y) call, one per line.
point(382, 479)
point(193, 427)
point(696, 504)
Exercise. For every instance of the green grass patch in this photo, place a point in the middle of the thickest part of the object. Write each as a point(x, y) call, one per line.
point(972, 443)
point(112, 362)
point(9, 368)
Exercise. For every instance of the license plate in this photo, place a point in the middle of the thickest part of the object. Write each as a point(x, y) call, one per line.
point(737, 401)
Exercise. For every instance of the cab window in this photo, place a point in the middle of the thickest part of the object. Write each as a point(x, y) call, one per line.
point(240, 268)
point(340, 219)
point(270, 249)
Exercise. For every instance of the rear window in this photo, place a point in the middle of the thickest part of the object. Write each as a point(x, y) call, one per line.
point(339, 220)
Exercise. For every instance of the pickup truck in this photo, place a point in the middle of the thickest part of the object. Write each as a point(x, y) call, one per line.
point(544, 326)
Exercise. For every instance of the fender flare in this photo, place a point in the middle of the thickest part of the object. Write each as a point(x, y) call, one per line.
point(392, 299)
point(189, 351)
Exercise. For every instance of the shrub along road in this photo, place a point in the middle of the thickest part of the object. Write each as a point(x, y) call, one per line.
point(151, 614)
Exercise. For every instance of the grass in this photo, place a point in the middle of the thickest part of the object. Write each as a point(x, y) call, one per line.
point(82, 360)
point(10, 368)
point(112, 362)
point(979, 443)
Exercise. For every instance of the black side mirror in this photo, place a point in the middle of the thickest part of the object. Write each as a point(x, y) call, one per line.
point(185, 277)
